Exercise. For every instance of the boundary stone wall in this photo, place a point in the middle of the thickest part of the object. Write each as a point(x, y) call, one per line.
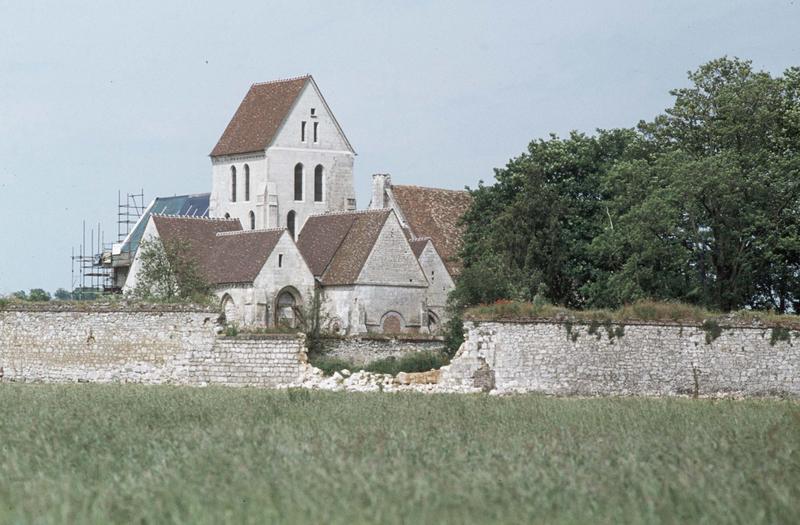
point(625, 359)
point(151, 345)
point(365, 349)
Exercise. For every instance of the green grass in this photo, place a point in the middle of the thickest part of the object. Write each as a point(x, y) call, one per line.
point(640, 311)
point(135, 454)
point(414, 362)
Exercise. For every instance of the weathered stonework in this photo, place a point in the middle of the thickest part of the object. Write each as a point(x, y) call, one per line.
point(637, 359)
point(172, 345)
point(363, 350)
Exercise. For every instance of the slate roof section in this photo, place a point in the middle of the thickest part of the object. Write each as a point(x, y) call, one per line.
point(337, 245)
point(435, 213)
point(259, 117)
point(186, 205)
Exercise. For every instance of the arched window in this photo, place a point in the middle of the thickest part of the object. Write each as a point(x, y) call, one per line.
point(318, 183)
point(252, 221)
point(298, 182)
point(246, 182)
point(290, 223)
point(233, 183)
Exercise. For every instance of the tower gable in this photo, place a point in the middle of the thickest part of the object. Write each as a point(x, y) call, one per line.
point(311, 118)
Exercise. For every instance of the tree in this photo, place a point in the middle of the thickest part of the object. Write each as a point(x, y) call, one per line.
point(38, 295)
point(530, 232)
point(700, 205)
point(719, 221)
point(62, 295)
point(168, 273)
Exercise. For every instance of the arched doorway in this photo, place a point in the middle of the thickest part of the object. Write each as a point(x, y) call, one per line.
point(229, 308)
point(392, 323)
point(433, 322)
point(287, 308)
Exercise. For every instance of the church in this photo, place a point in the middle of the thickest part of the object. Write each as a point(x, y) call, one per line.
point(280, 228)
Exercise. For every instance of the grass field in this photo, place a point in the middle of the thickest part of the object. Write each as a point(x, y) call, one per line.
point(134, 454)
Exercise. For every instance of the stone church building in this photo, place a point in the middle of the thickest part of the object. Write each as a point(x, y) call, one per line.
point(281, 226)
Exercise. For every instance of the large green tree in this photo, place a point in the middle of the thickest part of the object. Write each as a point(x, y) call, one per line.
point(700, 205)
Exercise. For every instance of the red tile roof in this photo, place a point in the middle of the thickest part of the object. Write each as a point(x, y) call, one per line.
point(260, 116)
point(435, 213)
point(240, 256)
point(418, 245)
point(223, 251)
point(336, 245)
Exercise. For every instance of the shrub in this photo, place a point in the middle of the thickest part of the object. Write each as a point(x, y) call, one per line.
point(329, 365)
point(415, 362)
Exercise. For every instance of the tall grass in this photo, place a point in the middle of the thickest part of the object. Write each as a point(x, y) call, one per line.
point(641, 311)
point(135, 454)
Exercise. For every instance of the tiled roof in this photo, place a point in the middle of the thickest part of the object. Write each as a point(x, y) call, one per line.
point(223, 251)
point(336, 245)
point(260, 116)
point(435, 213)
point(239, 256)
point(418, 245)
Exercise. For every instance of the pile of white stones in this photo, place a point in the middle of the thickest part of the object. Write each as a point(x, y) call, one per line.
point(313, 378)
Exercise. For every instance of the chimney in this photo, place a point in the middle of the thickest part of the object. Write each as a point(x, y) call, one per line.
point(380, 183)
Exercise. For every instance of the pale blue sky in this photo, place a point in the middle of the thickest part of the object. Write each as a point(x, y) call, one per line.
point(101, 96)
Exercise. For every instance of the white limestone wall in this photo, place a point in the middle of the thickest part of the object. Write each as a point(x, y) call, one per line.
point(440, 284)
point(361, 308)
point(133, 344)
point(563, 359)
point(220, 201)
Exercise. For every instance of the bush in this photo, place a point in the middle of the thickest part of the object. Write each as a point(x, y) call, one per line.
point(329, 365)
point(416, 362)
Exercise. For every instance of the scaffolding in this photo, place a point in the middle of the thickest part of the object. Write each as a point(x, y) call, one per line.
point(92, 268)
point(128, 212)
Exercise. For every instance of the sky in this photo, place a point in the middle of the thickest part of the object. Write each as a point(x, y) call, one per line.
point(101, 97)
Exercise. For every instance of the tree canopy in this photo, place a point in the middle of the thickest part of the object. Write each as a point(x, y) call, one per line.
point(699, 205)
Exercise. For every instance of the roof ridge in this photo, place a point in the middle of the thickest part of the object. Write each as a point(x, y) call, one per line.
point(241, 232)
point(277, 81)
point(427, 188)
point(194, 217)
point(350, 212)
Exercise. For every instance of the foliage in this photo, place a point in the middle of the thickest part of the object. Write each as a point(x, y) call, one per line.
point(413, 362)
point(38, 295)
point(155, 454)
point(62, 295)
point(34, 295)
point(701, 205)
point(169, 273)
point(454, 327)
point(231, 330)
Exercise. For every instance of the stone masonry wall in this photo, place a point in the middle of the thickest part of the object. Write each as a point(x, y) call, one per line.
point(260, 360)
point(155, 345)
point(578, 359)
point(363, 350)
